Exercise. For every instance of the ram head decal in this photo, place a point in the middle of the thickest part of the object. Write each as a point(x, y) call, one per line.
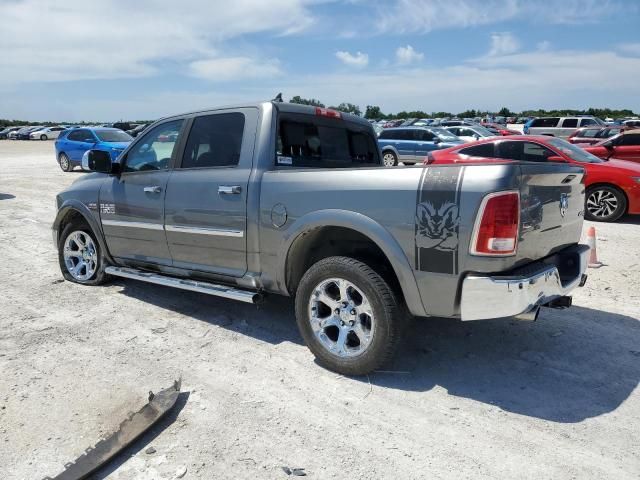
point(437, 227)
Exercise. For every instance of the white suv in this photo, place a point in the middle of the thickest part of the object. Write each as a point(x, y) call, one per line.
point(559, 126)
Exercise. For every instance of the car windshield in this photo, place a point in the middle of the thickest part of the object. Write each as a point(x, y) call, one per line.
point(443, 134)
point(574, 152)
point(484, 131)
point(113, 136)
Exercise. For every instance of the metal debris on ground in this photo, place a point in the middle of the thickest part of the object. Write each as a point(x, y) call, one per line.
point(130, 429)
point(298, 472)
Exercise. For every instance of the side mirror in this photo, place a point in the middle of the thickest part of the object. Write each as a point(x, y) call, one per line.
point(555, 158)
point(436, 141)
point(476, 136)
point(97, 161)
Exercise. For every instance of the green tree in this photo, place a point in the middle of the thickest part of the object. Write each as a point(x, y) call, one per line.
point(373, 112)
point(348, 108)
point(306, 101)
point(505, 112)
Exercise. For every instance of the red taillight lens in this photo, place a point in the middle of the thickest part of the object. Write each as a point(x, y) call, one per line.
point(327, 112)
point(496, 230)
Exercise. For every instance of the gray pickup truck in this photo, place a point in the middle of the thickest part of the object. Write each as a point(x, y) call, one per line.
point(293, 200)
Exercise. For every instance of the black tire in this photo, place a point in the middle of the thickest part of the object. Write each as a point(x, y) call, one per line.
point(43, 137)
point(387, 157)
point(388, 314)
point(65, 162)
point(99, 276)
point(599, 200)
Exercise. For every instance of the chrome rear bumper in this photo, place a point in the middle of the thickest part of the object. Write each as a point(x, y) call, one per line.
point(485, 297)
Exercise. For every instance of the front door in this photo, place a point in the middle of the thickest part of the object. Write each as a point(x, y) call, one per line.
point(206, 200)
point(628, 147)
point(79, 141)
point(132, 204)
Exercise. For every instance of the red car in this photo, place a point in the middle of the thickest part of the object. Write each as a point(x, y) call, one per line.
point(624, 146)
point(612, 186)
point(593, 134)
point(501, 129)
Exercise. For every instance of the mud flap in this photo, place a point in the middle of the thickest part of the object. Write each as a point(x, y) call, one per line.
point(130, 429)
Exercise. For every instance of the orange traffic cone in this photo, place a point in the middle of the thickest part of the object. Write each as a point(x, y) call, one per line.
point(593, 254)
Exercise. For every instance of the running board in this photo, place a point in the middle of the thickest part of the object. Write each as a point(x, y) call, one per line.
point(185, 284)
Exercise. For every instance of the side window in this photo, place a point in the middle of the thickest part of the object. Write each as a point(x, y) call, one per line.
point(630, 139)
point(482, 150)
point(454, 130)
point(549, 122)
point(404, 135)
point(510, 150)
point(387, 135)
point(570, 123)
point(214, 141)
point(82, 135)
point(75, 136)
point(155, 149)
point(533, 152)
point(590, 133)
point(585, 122)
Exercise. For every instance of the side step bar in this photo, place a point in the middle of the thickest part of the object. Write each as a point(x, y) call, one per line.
point(185, 284)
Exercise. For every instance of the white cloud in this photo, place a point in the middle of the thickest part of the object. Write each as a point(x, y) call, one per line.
point(79, 40)
point(358, 59)
point(543, 46)
point(232, 68)
point(407, 55)
point(422, 16)
point(630, 48)
point(503, 44)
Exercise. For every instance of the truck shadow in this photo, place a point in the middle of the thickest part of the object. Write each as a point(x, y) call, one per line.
point(566, 367)
point(6, 196)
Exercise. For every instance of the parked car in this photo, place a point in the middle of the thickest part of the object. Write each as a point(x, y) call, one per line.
point(71, 144)
point(631, 123)
point(124, 126)
point(471, 133)
point(13, 134)
point(242, 199)
point(5, 132)
point(409, 145)
point(500, 130)
point(455, 123)
point(624, 146)
point(47, 133)
point(612, 187)
point(24, 133)
point(137, 129)
point(591, 135)
point(559, 126)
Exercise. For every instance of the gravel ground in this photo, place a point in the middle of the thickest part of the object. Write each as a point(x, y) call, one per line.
point(501, 399)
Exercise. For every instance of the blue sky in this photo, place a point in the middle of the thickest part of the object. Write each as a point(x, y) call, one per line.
point(119, 59)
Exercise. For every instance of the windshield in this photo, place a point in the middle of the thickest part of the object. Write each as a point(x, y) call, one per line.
point(574, 152)
point(484, 131)
point(444, 134)
point(113, 136)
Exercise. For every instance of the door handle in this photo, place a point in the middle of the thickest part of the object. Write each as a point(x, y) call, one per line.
point(229, 189)
point(154, 189)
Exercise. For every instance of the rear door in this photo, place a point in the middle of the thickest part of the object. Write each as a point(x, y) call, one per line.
point(405, 142)
point(78, 142)
point(425, 144)
point(567, 127)
point(132, 204)
point(206, 201)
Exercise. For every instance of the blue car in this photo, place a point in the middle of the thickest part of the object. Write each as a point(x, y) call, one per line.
point(72, 143)
point(411, 145)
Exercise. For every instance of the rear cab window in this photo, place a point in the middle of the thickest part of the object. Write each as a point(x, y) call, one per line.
point(318, 142)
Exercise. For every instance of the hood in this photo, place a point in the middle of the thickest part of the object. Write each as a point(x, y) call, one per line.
point(625, 166)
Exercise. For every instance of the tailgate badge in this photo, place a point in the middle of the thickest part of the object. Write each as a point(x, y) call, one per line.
point(564, 204)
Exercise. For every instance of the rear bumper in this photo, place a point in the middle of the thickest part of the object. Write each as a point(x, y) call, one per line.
point(497, 296)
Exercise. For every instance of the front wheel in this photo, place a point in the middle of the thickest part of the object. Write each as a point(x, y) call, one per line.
point(348, 316)
point(43, 137)
point(79, 255)
point(604, 203)
point(389, 159)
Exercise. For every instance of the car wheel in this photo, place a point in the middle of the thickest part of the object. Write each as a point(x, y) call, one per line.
point(79, 255)
point(389, 159)
point(348, 316)
point(65, 163)
point(605, 203)
point(43, 137)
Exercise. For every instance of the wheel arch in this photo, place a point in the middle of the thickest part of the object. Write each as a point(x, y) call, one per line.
point(326, 233)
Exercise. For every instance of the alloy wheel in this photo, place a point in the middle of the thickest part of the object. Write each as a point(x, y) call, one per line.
point(80, 255)
point(602, 203)
point(388, 159)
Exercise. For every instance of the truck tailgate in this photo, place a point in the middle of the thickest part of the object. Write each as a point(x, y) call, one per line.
point(552, 208)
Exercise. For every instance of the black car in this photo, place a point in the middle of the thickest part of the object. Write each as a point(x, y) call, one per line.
point(6, 131)
point(136, 130)
point(125, 126)
point(23, 133)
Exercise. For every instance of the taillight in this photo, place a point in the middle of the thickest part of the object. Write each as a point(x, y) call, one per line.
point(496, 229)
point(327, 112)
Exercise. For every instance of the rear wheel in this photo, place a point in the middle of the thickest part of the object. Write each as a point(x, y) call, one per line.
point(79, 255)
point(348, 316)
point(605, 203)
point(389, 159)
point(65, 163)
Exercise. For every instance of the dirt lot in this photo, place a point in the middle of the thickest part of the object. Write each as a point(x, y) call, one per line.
point(495, 399)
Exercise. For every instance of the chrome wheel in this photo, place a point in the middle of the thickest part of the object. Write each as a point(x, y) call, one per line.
point(602, 203)
point(389, 159)
point(341, 317)
point(80, 255)
point(64, 162)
